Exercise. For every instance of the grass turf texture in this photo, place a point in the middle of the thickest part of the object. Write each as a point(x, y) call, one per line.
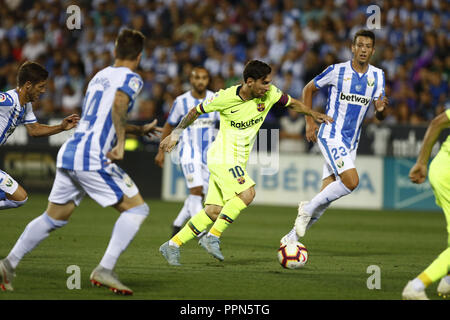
point(341, 246)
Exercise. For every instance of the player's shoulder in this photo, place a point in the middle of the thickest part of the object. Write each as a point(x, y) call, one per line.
point(375, 69)
point(6, 98)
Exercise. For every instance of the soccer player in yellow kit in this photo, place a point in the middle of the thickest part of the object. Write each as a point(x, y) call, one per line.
point(242, 109)
point(439, 176)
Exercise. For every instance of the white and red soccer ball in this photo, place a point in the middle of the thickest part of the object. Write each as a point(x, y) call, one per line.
point(292, 255)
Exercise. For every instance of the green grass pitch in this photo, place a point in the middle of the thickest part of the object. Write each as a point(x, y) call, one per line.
point(341, 247)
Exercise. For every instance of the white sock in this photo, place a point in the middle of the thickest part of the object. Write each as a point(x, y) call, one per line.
point(332, 192)
point(317, 214)
point(194, 204)
point(126, 227)
point(418, 285)
point(36, 231)
point(183, 215)
point(7, 203)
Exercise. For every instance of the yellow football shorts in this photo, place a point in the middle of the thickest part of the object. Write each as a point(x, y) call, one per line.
point(225, 182)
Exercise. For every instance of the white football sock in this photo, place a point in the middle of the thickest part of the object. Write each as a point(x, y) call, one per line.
point(183, 215)
point(125, 229)
point(36, 231)
point(7, 203)
point(195, 204)
point(332, 192)
point(317, 214)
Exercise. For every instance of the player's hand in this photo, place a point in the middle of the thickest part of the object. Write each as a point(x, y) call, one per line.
point(116, 153)
point(320, 117)
point(150, 129)
point(381, 103)
point(418, 173)
point(159, 159)
point(169, 143)
point(311, 131)
point(70, 122)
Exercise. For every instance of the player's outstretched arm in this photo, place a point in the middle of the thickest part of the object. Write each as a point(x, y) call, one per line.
point(148, 129)
point(418, 172)
point(171, 141)
point(166, 131)
point(311, 126)
point(299, 106)
point(42, 130)
point(119, 118)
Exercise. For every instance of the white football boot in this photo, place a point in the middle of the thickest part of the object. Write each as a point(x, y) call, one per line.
point(302, 220)
point(409, 293)
point(443, 288)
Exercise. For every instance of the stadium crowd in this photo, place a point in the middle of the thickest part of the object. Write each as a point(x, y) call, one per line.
point(299, 38)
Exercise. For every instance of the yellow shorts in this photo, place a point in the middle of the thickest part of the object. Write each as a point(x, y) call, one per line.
point(439, 176)
point(225, 182)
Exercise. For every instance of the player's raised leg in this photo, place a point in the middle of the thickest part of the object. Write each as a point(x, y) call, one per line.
point(133, 212)
point(55, 217)
point(439, 177)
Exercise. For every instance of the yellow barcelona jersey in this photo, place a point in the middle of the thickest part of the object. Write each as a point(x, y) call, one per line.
point(240, 121)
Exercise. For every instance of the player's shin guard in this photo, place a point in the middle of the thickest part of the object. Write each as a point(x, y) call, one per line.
point(125, 229)
point(7, 203)
point(437, 269)
point(36, 231)
point(229, 213)
point(193, 228)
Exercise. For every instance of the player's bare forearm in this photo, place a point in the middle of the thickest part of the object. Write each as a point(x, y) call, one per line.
point(133, 129)
point(307, 96)
point(431, 135)
point(167, 129)
point(43, 130)
point(188, 119)
point(119, 116)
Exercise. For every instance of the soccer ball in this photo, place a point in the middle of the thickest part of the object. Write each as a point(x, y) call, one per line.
point(292, 255)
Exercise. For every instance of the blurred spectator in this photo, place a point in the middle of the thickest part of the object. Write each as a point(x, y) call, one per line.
point(292, 126)
point(298, 38)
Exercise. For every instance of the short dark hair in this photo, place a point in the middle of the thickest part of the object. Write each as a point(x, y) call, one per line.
point(256, 69)
point(129, 44)
point(365, 33)
point(31, 71)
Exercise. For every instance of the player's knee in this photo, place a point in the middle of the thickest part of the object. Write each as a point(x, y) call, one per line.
point(248, 195)
point(20, 203)
point(352, 185)
point(20, 195)
point(213, 211)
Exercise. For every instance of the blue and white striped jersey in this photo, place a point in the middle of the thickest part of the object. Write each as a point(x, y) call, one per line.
point(349, 97)
point(196, 139)
point(95, 134)
point(12, 114)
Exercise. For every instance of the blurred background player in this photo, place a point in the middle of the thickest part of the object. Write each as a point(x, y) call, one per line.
point(16, 109)
point(84, 165)
point(439, 176)
point(242, 109)
point(353, 86)
point(195, 142)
